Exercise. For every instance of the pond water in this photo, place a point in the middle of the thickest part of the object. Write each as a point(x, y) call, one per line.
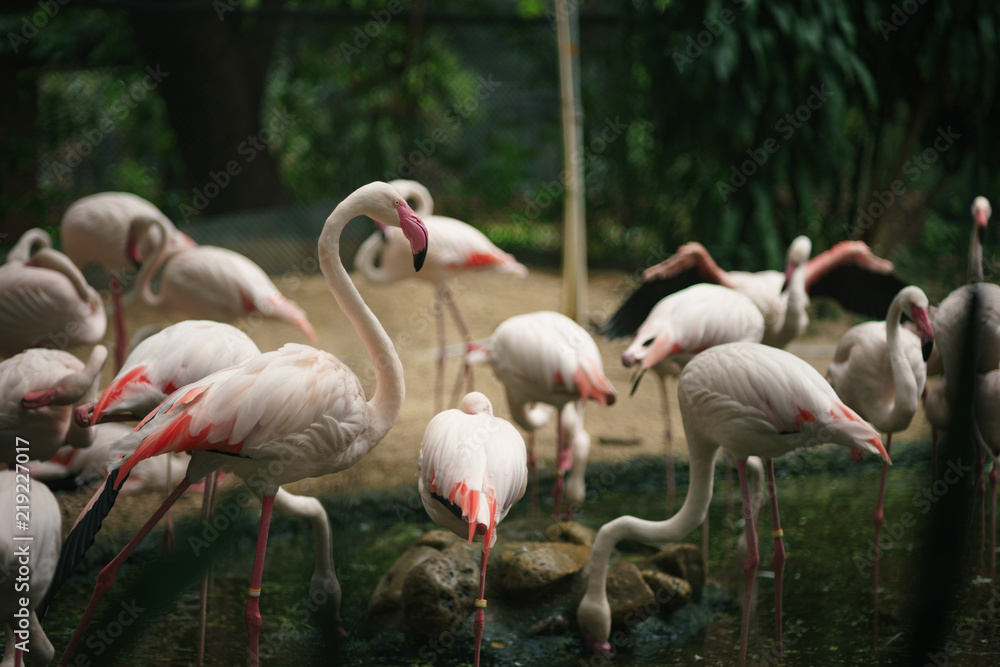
point(827, 501)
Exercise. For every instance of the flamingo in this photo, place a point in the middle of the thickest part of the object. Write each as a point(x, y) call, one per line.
point(383, 258)
point(30, 242)
point(848, 272)
point(879, 370)
point(748, 399)
point(684, 324)
point(94, 231)
point(279, 417)
point(472, 469)
point(45, 301)
point(39, 537)
point(38, 389)
point(207, 282)
point(546, 359)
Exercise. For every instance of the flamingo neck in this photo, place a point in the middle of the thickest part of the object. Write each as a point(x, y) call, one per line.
point(151, 266)
point(795, 301)
point(975, 270)
point(47, 258)
point(385, 405)
point(906, 390)
point(691, 515)
point(29, 243)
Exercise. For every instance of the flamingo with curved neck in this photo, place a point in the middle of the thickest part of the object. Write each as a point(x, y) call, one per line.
point(30, 242)
point(287, 415)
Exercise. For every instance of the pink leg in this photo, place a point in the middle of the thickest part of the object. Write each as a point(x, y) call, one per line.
point(253, 599)
point(439, 383)
point(533, 475)
point(994, 475)
point(106, 579)
point(206, 512)
point(879, 517)
point(122, 335)
point(669, 443)
point(453, 306)
point(730, 508)
point(753, 560)
point(479, 620)
point(564, 461)
point(778, 559)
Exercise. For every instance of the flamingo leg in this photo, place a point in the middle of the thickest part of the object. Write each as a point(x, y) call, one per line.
point(778, 559)
point(439, 380)
point(669, 447)
point(106, 579)
point(981, 488)
point(120, 333)
point(730, 508)
point(449, 299)
point(753, 560)
point(994, 475)
point(564, 461)
point(879, 518)
point(533, 475)
point(252, 613)
point(206, 512)
point(168, 534)
point(479, 620)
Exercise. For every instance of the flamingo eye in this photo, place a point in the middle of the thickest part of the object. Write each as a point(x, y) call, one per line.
point(395, 202)
point(647, 343)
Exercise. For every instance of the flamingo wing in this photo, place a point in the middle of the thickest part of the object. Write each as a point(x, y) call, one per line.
point(630, 315)
point(859, 290)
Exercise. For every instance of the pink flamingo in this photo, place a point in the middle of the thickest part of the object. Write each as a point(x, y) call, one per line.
point(879, 370)
point(847, 272)
point(384, 258)
point(286, 415)
point(748, 399)
point(206, 282)
point(680, 326)
point(41, 536)
point(38, 389)
point(546, 359)
point(45, 301)
point(94, 231)
point(472, 469)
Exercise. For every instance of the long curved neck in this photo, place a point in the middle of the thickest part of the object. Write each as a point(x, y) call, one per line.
point(151, 266)
point(691, 514)
point(905, 383)
point(975, 271)
point(83, 383)
point(795, 302)
point(47, 258)
point(29, 241)
point(389, 391)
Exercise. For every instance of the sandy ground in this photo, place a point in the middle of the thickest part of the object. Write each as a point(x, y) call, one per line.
point(633, 426)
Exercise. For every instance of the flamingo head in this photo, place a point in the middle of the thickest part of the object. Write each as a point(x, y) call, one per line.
point(475, 403)
point(414, 230)
point(594, 618)
point(916, 307)
point(798, 254)
point(981, 212)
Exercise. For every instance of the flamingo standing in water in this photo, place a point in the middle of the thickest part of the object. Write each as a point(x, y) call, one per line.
point(546, 359)
point(748, 399)
point(283, 416)
point(384, 258)
point(472, 469)
point(879, 370)
point(38, 390)
point(95, 230)
point(45, 301)
point(39, 537)
point(206, 282)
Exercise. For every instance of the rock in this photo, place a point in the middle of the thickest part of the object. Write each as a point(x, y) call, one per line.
point(670, 592)
point(439, 592)
point(526, 570)
point(388, 595)
point(684, 561)
point(438, 539)
point(572, 532)
point(630, 598)
point(524, 530)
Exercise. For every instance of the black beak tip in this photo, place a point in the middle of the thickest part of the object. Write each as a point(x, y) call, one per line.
point(418, 259)
point(926, 349)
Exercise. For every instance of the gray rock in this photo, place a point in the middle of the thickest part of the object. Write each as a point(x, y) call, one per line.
point(439, 539)
point(388, 596)
point(632, 601)
point(670, 592)
point(684, 561)
point(527, 570)
point(572, 532)
point(439, 593)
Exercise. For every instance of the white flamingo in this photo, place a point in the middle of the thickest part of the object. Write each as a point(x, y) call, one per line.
point(383, 258)
point(748, 399)
point(94, 231)
point(286, 415)
point(472, 469)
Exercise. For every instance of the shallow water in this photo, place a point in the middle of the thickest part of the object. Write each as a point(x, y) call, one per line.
point(827, 501)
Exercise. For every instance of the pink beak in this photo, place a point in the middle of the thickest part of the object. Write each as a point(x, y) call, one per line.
point(415, 232)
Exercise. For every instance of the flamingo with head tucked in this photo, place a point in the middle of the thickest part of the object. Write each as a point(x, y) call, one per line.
point(383, 258)
point(747, 399)
point(94, 231)
point(283, 416)
point(472, 469)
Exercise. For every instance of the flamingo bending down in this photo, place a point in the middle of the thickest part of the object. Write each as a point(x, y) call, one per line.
point(206, 282)
point(472, 469)
point(45, 301)
point(680, 326)
point(39, 537)
point(546, 358)
point(748, 399)
point(38, 390)
point(95, 230)
point(879, 370)
point(282, 416)
point(384, 258)
point(847, 272)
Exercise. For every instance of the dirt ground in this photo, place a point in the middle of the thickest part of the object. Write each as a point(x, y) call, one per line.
point(632, 426)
